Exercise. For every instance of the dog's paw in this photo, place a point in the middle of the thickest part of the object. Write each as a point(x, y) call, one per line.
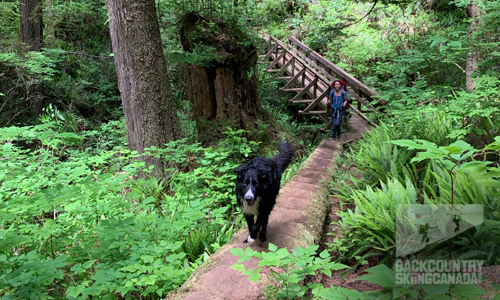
point(262, 238)
point(248, 240)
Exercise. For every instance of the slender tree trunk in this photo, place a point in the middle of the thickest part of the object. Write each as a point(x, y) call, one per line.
point(473, 55)
point(148, 104)
point(31, 34)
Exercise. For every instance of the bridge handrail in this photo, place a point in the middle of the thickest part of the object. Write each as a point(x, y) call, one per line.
point(356, 85)
point(318, 72)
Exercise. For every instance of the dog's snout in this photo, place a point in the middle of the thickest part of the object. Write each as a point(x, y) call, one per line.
point(249, 196)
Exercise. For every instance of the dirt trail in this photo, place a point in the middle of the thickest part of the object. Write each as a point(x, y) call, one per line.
point(296, 221)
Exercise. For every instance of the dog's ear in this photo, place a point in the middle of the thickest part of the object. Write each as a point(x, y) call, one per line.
point(264, 169)
point(238, 170)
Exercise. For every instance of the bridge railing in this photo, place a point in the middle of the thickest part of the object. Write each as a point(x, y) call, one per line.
point(357, 90)
point(311, 74)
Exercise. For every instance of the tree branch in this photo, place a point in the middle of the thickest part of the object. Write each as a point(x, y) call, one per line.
point(369, 12)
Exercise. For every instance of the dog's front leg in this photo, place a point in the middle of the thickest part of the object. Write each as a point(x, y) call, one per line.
point(262, 221)
point(250, 222)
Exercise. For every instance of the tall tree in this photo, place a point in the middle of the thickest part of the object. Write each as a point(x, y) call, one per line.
point(472, 12)
point(148, 103)
point(31, 34)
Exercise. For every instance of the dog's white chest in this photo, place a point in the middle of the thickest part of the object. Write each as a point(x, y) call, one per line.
point(251, 210)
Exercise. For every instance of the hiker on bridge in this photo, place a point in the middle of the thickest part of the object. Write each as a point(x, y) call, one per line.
point(337, 101)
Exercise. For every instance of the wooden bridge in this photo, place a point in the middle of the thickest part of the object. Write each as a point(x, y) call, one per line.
point(310, 75)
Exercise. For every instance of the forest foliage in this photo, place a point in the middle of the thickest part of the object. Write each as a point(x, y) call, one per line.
point(77, 223)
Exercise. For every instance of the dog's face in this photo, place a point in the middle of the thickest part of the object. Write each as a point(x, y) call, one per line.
point(250, 184)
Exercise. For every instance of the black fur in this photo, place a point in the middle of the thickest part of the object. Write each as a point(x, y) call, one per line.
point(257, 186)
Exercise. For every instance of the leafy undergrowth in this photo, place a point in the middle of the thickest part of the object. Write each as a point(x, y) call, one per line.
point(76, 222)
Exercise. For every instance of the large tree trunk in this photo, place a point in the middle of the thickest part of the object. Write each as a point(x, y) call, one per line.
point(148, 104)
point(473, 55)
point(31, 34)
point(221, 90)
point(31, 24)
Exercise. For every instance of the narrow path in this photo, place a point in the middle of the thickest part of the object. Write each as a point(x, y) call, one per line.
point(296, 221)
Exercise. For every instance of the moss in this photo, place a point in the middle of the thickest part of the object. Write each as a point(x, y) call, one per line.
point(233, 47)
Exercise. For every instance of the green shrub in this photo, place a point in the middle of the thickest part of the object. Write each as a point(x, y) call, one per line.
point(78, 224)
point(369, 229)
point(296, 266)
point(378, 159)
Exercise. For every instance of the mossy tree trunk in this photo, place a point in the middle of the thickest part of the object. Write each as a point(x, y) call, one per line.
point(148, 103)
point(223, 88)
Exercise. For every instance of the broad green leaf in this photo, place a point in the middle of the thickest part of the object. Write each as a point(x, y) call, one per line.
point(474, 166)
point(254, 275)
point(453, 149)
point(238, 267)
point(149, 280)
point(426, 155)
point(269, 259)
point(473, 214)
point(14, 241)
point(493, 172)
point(76, 267)
point(350, 294)
point(381, 275)
point(237, 251)
point(489, 182)
point(324, 254)
point(331, 294)
point(282, 253)
point(88, 264)
point(74, 291)
point(462, 145)
point(129, 268)
point(467, 291)
point(435, 288)
point(272, 247)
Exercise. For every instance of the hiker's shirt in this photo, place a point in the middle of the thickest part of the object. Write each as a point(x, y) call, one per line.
point(337, 101)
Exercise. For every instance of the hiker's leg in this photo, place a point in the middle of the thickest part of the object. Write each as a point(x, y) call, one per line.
point(337, 118)
point(334, 132)
point(341, 115)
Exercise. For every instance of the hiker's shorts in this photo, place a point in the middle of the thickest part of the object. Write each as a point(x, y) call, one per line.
point(337, 117)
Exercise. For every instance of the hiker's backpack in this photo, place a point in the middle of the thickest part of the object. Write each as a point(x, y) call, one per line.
point(343, 85)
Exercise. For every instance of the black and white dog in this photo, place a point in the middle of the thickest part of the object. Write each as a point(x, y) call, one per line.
point(257, 186)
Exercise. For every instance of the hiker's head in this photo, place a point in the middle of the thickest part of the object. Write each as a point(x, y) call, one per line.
point(337, 84)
